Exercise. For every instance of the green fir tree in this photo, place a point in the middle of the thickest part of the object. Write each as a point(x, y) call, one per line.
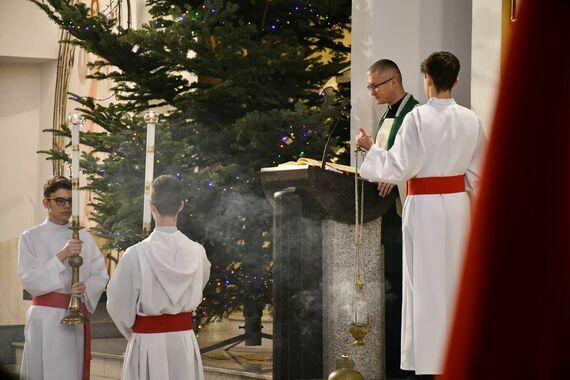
point(256, 103)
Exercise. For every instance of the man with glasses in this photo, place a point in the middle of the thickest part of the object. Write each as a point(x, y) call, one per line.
point(53, 350)
point(385, 85)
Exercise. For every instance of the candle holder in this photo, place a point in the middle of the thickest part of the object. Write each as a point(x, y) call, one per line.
point(75, 317)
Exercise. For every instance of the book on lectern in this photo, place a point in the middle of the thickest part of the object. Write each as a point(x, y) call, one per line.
point(339, 168)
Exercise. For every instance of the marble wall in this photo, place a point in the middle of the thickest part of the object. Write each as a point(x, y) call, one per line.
point(338, 293)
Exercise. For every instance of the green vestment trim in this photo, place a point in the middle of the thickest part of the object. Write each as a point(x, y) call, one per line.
point(405, 108)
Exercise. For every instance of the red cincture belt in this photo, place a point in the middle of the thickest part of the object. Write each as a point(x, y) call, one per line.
point(162, 323)
point(61, 301)
point(436, 185)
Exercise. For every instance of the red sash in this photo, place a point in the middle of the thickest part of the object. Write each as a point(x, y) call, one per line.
point(61, 301)
point(436, 185)
point(162, 323)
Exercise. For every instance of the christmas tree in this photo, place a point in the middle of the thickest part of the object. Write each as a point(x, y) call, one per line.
point(257, 102)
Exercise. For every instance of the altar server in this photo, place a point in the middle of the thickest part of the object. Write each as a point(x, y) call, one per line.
point(153, 291)
point(438, 151)
point(52, 350)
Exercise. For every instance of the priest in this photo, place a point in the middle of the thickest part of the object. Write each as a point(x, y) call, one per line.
point(53, 350)
point(385, 85)
point(153, 291)
point(438, 151)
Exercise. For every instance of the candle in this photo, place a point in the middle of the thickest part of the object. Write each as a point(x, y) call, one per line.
point(76, 121)
point(75, 317)
point(151, 119)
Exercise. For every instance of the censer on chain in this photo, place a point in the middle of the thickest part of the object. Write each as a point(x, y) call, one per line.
point(359, 326)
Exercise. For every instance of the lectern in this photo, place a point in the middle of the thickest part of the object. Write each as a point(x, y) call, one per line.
point(313, 216)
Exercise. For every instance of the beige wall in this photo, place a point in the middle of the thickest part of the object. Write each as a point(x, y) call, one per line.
point(26, 101)
point(26, 32)
point(27, 77)
point(13, 310)
point(22, 117)
point(486, 58)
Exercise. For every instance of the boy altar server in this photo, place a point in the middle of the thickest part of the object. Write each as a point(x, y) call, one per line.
point(438, 151)
point(153, 291)
point(52, 350)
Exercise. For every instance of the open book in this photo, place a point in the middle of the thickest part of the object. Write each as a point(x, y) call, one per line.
point(345, 169)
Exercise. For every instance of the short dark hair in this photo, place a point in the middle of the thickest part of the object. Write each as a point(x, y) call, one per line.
point(56, 183)
point(443, 68)
point(386, 65)
point(167, 194)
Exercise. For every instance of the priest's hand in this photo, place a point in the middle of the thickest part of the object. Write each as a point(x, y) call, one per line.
point(384, 189)
point(363, 140)
point(77, 289)
point(72, 248)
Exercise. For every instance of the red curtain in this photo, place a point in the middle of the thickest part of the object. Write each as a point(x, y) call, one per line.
point(512, 319)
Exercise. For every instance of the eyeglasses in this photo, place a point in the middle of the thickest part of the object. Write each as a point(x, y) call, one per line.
point(373, 87)
point(60, 201)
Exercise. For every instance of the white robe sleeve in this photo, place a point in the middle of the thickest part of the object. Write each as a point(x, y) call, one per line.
point(98, 276)
point(123, 292)
point(473, 172)
point(402, 162)
point(38, 277)
point(206, 269)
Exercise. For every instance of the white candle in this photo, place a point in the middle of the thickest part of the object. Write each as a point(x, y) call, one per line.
point(76, 121)
point(151, 119)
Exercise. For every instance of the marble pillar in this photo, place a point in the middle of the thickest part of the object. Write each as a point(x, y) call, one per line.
point(338, 290)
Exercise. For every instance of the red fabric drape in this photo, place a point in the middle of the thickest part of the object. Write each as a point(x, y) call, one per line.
point(513, 314)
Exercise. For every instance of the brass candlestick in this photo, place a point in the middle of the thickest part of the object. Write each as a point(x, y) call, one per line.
point(75, 317)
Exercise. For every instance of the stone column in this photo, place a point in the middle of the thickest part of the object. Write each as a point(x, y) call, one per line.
point(338, 290)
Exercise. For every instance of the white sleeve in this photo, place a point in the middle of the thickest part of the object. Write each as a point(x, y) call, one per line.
point(37, 277)
point(206, 267)
point(402, 162)
point(123, 292)
point(98, 276)
point(473, 172)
